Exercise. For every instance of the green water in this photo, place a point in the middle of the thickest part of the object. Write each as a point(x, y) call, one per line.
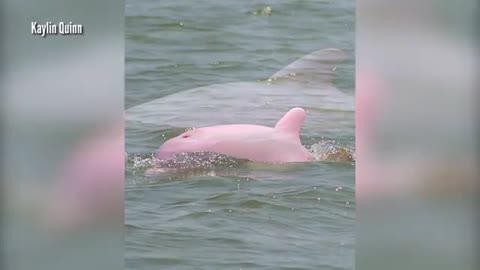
point(245, 216)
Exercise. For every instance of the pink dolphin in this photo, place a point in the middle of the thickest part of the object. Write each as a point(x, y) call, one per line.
point(253, 142)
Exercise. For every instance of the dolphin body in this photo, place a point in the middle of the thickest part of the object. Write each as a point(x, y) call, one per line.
point(306, 82)
point(251, 142)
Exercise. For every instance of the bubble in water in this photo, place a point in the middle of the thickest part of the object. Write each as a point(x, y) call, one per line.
point(190, 162)
point(330, 150)
point(136, 162)
point(265, 11)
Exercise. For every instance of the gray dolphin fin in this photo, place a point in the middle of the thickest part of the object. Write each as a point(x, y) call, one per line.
point(317, 66)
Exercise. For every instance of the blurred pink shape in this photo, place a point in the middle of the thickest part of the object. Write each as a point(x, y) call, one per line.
point(91, 185)
point(370, 100)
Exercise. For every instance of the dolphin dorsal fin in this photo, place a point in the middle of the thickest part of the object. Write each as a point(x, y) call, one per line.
point(292, 121)
point(317, 66)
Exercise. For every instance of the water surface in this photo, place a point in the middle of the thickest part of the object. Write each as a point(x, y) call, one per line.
point(239, 215)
